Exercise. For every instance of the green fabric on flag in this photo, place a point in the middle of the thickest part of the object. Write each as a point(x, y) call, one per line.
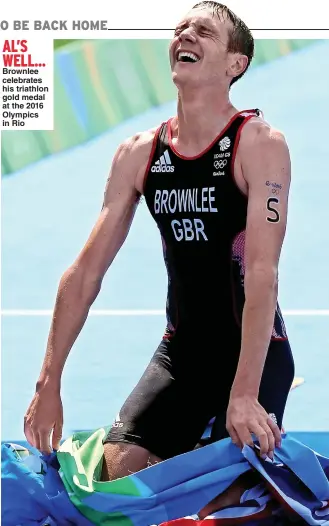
point(80, 458)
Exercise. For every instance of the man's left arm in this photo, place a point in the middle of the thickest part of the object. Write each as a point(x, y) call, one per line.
point(265, 163)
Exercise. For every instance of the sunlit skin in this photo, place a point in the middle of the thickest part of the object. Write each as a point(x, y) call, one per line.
point(204, 34)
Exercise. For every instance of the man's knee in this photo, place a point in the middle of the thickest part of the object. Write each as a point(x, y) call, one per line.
point(122, 459)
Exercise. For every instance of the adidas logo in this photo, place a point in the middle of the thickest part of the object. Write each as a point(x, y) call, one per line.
point(163, 164)
point(117, 422)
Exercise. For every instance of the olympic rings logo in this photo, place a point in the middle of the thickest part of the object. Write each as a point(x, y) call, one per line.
point(220, 164)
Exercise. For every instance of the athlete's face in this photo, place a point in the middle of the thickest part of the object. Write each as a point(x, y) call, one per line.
point(205, 37)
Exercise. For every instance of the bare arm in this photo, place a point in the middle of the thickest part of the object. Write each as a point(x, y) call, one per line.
point(265, 163)
point(80, 284)
point(266, 168)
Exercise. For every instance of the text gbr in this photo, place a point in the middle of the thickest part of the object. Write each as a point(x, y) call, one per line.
point(186, 200)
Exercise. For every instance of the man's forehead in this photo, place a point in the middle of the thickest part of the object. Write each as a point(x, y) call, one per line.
point(204, 16)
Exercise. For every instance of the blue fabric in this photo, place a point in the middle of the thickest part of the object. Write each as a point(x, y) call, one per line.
point(297, 481)
point(28, 499)
point(300, 483)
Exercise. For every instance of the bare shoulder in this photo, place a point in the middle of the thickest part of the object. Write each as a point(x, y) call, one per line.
point(132, 157)
point(258, 134)
point(138, 145)
point(263, 152)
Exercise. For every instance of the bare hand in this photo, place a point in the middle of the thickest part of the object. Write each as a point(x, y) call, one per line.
point(43, 417)
point(245, 416)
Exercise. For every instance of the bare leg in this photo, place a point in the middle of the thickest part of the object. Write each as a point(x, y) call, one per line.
point(122, 459)
point(231, 496)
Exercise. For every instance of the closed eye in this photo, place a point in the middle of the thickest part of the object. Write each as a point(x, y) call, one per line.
point(204, 30)
point(178, 30)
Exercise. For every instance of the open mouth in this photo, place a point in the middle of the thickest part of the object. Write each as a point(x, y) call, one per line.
point(187, 56)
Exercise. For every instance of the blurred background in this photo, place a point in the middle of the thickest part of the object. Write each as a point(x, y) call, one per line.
point(52, 190)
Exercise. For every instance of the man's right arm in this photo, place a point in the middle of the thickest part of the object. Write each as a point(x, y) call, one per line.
point(81, 282)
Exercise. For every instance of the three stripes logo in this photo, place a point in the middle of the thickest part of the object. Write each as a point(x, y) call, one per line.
point(163, 164)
